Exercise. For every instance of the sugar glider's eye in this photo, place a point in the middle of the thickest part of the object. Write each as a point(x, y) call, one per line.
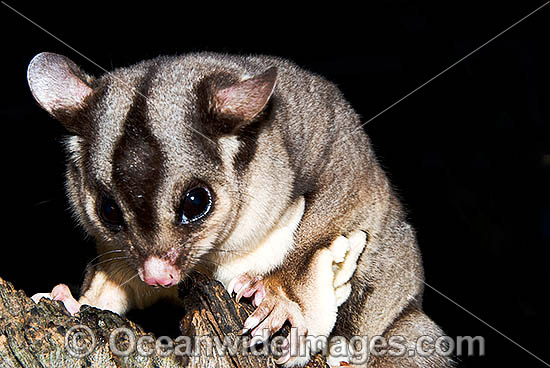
point(110, 213)
point(195, 204)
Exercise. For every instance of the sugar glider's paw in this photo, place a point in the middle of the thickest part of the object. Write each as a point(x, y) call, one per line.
point(250, 287)
point(273, 309)
point(62, 293)
point(270, 316)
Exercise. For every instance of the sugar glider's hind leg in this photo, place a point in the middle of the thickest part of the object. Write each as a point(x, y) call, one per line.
point(410, 342)
point(385, 303)
point(416, 336)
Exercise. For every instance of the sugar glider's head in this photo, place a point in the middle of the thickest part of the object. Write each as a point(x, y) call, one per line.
point(151, 153)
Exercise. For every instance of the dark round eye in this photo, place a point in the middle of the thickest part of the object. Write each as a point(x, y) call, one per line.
point(110, 213)
point(195, 204)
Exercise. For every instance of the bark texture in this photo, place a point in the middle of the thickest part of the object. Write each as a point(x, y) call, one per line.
point(46, 335)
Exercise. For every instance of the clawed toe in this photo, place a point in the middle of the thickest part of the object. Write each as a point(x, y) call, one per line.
point(273, 310)
point(248, 287)
point(270, 316)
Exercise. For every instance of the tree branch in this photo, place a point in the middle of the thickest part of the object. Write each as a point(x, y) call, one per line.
point(46, 335)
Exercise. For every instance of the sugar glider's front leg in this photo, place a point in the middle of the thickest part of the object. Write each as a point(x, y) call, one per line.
point(306, 290)
point(119, 289)
point(309, 300)
point(111, 286)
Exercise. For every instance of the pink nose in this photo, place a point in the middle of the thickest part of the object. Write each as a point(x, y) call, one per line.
point(159, 272)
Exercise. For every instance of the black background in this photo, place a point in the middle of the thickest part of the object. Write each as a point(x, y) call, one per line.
point(469, 152)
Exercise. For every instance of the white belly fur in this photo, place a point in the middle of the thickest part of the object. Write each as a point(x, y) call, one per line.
point(339, 265)
point(271, 251)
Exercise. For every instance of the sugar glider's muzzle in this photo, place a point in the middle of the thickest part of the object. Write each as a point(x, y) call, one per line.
point(159, 272)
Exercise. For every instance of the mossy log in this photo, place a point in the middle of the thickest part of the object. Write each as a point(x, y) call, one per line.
point(46, 335)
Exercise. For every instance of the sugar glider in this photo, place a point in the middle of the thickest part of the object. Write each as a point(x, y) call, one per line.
point(247, 168)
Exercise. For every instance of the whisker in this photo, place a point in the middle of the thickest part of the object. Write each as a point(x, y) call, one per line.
point(105, 253)
point(127, 281)
point(109, 260)
point(204, 252)
point(84, 307)
point(207, 261)
point(229, 251)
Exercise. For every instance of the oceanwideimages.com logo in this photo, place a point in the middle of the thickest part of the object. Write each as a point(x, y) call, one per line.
point(80, 341)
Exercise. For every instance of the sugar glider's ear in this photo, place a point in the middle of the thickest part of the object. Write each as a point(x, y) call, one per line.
point(242, 101)
point(59, 86)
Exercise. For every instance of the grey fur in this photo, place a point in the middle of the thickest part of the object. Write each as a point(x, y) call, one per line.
point(305, 143)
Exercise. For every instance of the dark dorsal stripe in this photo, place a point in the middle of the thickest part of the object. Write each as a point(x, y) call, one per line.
point(138, 160)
